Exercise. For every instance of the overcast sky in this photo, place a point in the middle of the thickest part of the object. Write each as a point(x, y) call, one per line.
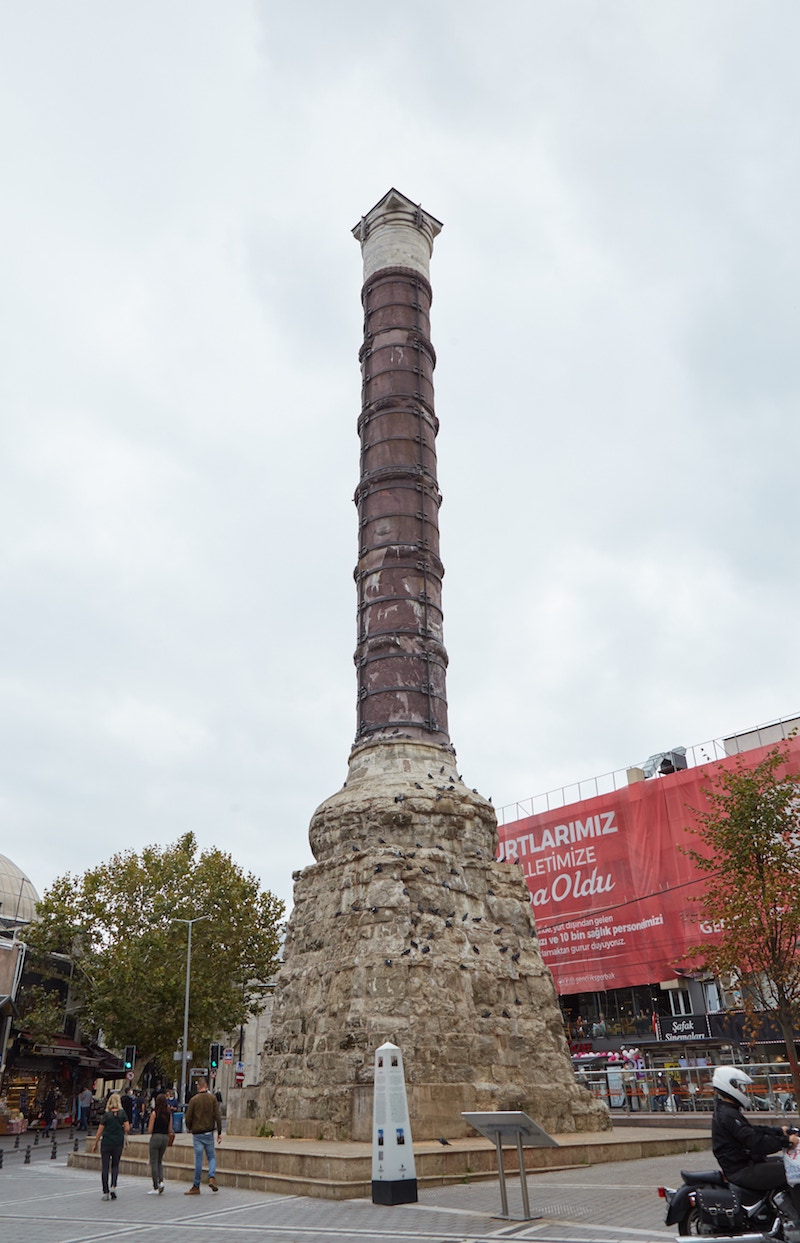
point(616, 321)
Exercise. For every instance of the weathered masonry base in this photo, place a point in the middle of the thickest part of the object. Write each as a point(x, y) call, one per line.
point(407, 930)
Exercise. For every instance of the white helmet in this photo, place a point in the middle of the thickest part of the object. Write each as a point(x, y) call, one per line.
point(731, 1081)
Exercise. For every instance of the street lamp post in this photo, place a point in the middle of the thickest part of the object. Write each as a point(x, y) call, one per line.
point(190, 922)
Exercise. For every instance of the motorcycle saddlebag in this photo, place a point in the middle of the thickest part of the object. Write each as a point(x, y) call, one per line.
point(721, 1209)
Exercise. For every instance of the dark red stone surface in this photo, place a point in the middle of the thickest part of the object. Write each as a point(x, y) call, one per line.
point(400, 657)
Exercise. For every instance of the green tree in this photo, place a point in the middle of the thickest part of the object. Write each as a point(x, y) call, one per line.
point(41, 1012)
point(750, 855)
point(118, 924)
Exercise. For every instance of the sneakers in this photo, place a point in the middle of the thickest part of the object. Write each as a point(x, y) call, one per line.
point(155, 1191)
point(113, 1194)
point(106, 1196)
point(160, 1189)
point(193, 1191)
point(212, 1184)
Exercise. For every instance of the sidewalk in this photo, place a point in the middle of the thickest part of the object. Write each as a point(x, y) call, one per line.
point(333, 1170)
point(48, 1202)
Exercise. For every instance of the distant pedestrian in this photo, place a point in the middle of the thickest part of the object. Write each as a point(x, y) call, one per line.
point(203, 1117)
point(49, 1112)
point(85, 1099)
point(111, 1135)
point(143, 1111)
point(127, 1102)
point(161, 1137)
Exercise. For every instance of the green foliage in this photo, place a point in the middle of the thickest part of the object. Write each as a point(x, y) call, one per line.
point(41, 1012)
point(118, 923)
point(750, 855)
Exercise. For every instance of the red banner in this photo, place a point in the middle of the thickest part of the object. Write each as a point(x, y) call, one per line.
point(611, 889)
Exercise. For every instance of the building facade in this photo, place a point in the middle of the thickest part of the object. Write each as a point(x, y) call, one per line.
point(615, 898)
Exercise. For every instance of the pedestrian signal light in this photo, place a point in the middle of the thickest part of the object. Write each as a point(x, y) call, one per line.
point(214, 1056)
point(130, 1056)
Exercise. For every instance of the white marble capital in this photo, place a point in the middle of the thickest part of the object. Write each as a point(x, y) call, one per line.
point(396, 233)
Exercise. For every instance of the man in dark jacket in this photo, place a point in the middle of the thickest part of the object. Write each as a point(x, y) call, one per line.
point(203, 1117)
point(741, 1148)
point(127, 1104)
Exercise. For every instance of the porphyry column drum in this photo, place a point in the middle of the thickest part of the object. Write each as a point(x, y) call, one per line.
point(400, 658)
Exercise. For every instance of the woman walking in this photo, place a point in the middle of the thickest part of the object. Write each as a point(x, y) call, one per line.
point(113, 1128)
point(161, 1136)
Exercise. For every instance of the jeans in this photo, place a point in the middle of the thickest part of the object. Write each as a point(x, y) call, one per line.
point(204, 1143)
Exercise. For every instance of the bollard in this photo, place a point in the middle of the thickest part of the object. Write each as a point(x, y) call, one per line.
point(35, 1138)
point(53, 1151)
point(27, 1160)
point(16, 1141)
point(75, 1146)
point(394, 1176)
point(1, 1158)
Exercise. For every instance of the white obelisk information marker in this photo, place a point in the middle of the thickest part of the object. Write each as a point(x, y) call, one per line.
point(394, 1176)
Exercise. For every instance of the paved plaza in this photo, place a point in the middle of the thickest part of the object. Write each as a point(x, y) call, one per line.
point(45, 1202)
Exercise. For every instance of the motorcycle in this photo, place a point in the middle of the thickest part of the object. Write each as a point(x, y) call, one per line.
point(708, 1206)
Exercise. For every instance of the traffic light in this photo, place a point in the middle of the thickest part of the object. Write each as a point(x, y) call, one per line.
point(214, 1057)
point(130, 1056)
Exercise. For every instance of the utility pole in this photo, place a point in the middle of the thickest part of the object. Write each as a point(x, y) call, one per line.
point(191, 923)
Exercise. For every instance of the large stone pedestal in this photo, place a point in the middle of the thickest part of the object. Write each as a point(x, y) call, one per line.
point(406, 929)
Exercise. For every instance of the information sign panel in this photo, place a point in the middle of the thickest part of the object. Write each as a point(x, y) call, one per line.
point(511, 1126)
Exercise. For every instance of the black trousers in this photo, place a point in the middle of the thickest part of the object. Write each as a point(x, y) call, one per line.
point(767, 1176)
point(109, 1157)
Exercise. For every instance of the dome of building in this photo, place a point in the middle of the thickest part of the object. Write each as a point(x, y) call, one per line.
point(18, 897)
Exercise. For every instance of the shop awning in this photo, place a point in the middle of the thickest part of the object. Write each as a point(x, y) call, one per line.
point(89, 1056)
point(106, 1065)
point(60, 1046)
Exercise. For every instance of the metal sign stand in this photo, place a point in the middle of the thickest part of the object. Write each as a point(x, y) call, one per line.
point(511, 1125)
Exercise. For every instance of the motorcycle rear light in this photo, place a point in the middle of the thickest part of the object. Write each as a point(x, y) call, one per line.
point(662, 1191)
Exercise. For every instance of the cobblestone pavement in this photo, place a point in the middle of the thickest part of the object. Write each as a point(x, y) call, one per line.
point(45, 1202)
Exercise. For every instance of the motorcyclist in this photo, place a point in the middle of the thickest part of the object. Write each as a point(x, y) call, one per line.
point(742, 1149)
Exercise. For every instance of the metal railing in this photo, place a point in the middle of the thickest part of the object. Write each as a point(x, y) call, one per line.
point(701, 753)
point(682, 1089)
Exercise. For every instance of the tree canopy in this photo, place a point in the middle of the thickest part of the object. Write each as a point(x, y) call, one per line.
point(119, 924)
point(750, 855)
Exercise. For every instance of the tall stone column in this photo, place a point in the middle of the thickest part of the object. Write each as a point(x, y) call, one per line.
point(400, 658)
point(407, 929)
